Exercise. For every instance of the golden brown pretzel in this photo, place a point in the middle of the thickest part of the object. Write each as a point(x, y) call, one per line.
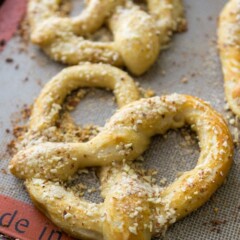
point(138, 36)
point(43, 118)
point(133, 209)
point(229, 47)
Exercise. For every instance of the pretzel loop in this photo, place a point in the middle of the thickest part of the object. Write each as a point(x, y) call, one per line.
point(133, 209)
point(138, 36)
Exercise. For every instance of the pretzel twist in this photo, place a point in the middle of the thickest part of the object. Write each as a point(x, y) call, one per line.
point(229, 47)
point(132, 209)
point(138, 36)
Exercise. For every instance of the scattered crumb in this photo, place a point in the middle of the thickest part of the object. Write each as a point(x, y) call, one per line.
point(163, 181)
point(210, 18)
point(3, 171)
point(7, 130)
point(8, 60)
point(4, 237)
point(184, 80)
point(232, 121)
point(216, 210)
point(11, 148)
point(163, 72)
point(215, 225)
point(216, 222)
point(2, 42)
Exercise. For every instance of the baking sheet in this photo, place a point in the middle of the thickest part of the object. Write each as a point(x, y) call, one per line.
point(192, 58)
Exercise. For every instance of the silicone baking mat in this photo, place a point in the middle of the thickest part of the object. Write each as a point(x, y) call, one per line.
point(191, 65)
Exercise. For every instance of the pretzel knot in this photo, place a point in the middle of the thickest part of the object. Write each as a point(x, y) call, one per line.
point(229, 47)
point(138, 36)
point(132, 208)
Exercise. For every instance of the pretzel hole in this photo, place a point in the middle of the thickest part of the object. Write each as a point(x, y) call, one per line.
point(171, 154)
point(85, 184)
point(72, 8)
point(95, 108)
point(102, 35)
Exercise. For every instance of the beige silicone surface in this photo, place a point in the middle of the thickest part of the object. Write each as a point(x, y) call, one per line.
point(192, 56)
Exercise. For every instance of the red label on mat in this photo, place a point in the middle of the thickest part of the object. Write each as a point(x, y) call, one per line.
point(23, 221)
point(11, 13)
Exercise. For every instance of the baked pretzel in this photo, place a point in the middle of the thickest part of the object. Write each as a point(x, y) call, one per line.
point(138, 36)
point(133, 209)
point(229, 47)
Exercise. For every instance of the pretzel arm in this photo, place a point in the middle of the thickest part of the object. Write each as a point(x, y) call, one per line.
point(229, 48)
point(136, 38)
point(169, 17)
point(60, 161)
point(74, 215)
point(59, 42)
point(126, 202)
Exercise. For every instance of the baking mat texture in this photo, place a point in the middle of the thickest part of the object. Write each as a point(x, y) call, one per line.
point(191, 66)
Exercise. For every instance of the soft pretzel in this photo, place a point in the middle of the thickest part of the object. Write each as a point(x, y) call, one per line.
point(229, 46)
point(43, 119)
point(132, 209)
point(138, 36)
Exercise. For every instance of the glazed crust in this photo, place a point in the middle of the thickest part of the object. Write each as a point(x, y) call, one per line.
point(138, 36)
point(229, 47)
point(133, 209)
